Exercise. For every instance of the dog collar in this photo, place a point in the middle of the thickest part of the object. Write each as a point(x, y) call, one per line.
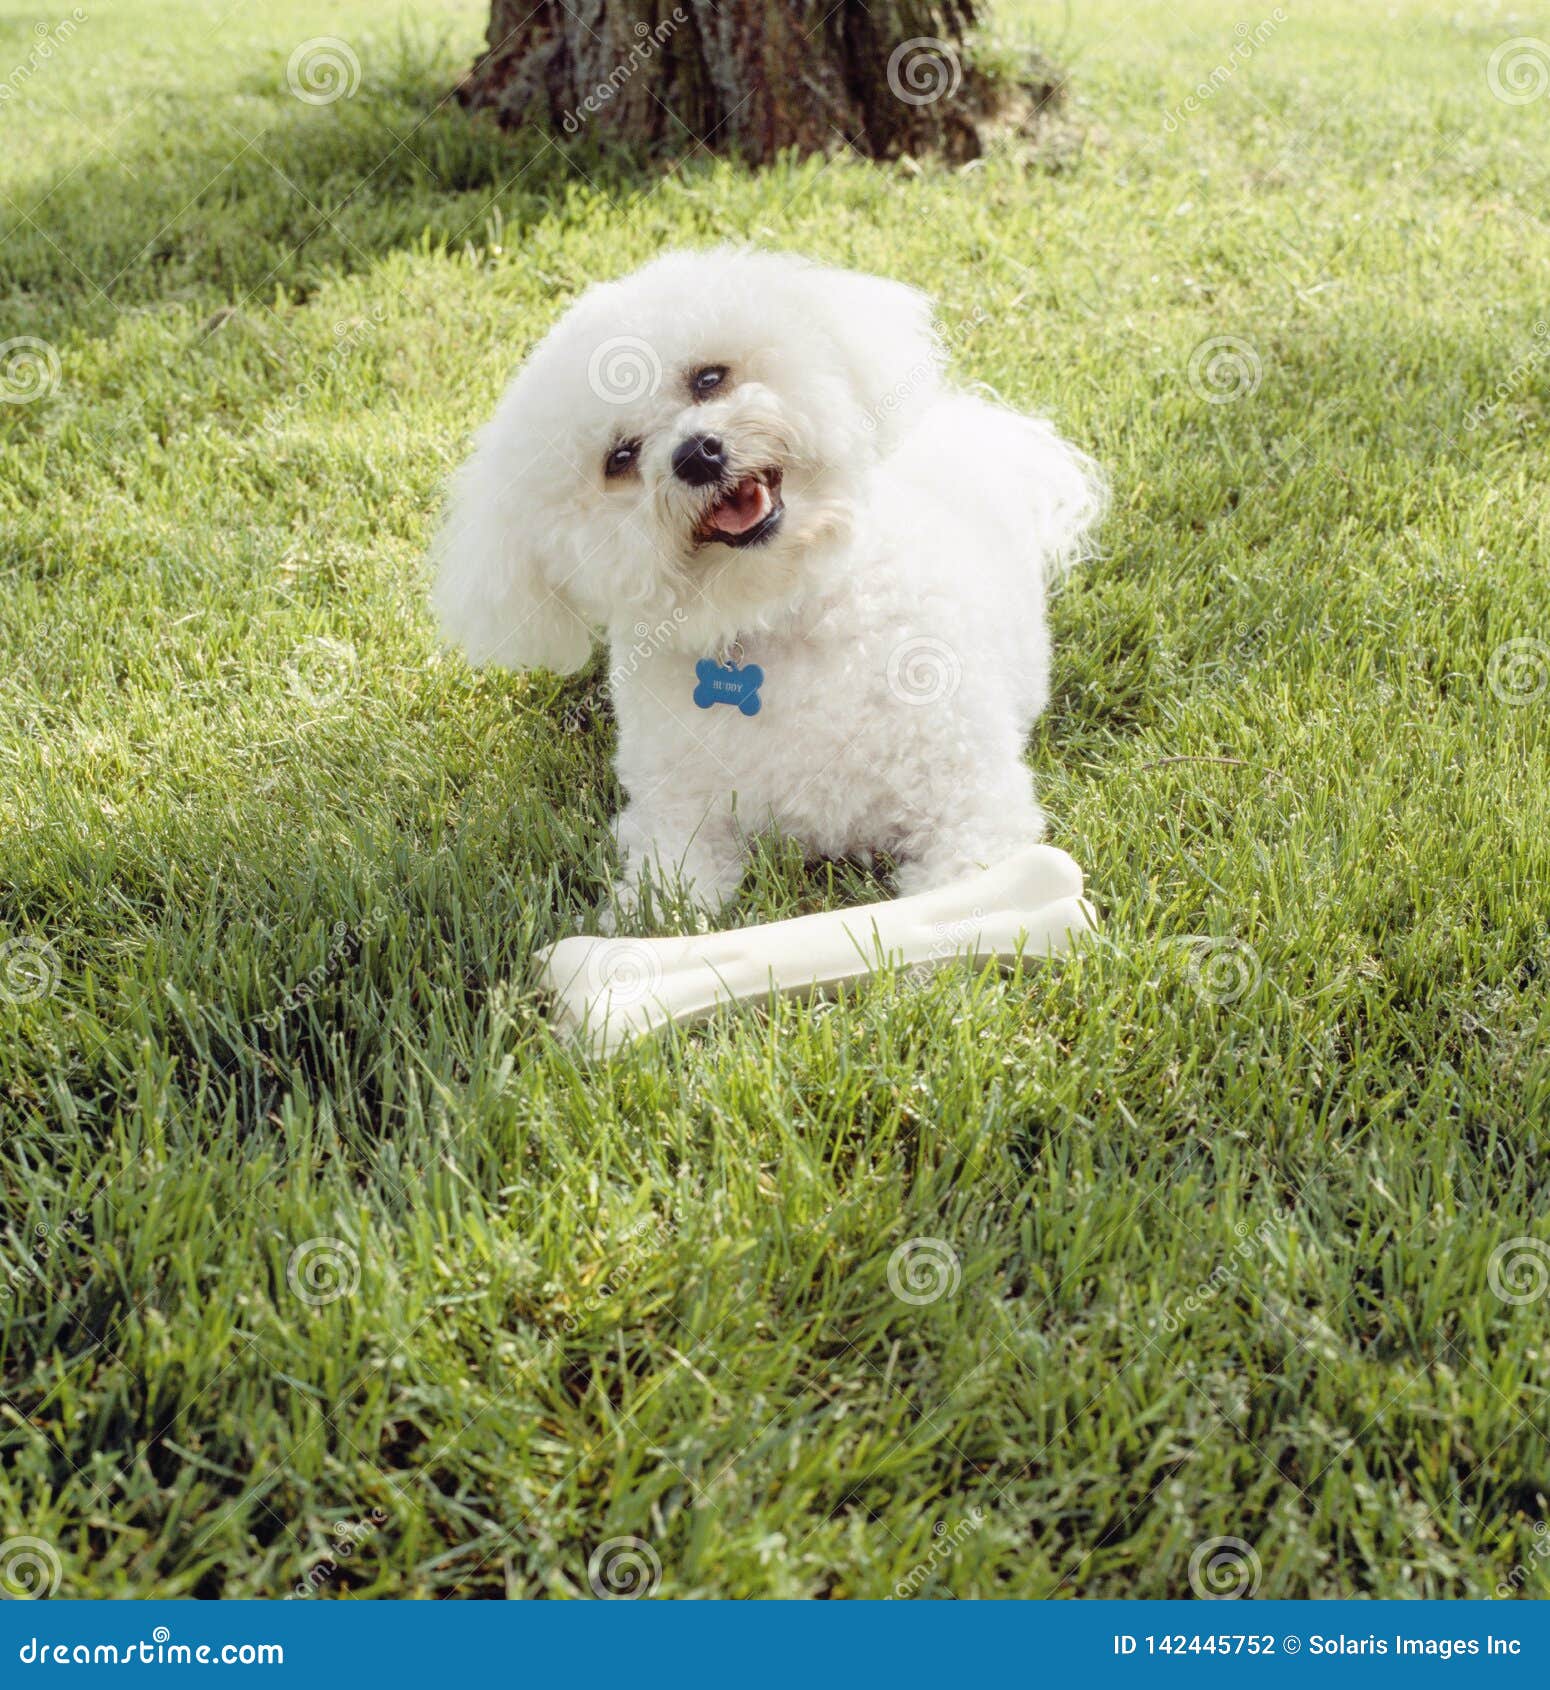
point(727, 680)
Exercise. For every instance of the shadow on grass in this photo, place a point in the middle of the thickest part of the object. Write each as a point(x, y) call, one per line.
point(213, 201)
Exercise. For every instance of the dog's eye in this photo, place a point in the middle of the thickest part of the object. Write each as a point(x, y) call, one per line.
point(621, 460)
point(704, 382)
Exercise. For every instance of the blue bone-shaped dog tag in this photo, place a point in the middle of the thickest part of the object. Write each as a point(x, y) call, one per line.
point(720, 684)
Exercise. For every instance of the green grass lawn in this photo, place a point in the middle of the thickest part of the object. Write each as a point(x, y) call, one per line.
point(326, 1267)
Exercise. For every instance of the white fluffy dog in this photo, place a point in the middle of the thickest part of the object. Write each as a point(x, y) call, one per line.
point(820, 571)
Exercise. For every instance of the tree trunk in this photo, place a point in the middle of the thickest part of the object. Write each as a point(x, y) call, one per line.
point(748, 76)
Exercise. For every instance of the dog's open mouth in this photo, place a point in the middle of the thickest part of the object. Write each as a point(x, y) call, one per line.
point(748, 512)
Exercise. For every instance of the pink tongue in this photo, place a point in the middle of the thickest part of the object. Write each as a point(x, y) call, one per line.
point(745, 508)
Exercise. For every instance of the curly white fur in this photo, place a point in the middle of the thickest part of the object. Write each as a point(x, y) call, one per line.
point(897, 610)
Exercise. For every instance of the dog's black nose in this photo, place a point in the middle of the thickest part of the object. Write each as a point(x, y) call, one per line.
point(699, 460)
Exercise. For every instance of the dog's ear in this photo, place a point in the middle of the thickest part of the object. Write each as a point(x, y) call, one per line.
point(499, 591)
point(885, 337)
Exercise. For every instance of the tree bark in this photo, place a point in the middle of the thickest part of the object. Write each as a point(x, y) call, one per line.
point(752, 77)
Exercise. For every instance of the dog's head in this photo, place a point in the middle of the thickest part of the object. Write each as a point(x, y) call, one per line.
point(690, 443)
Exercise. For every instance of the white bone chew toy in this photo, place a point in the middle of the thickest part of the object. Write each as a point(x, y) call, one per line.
point(610, 991)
